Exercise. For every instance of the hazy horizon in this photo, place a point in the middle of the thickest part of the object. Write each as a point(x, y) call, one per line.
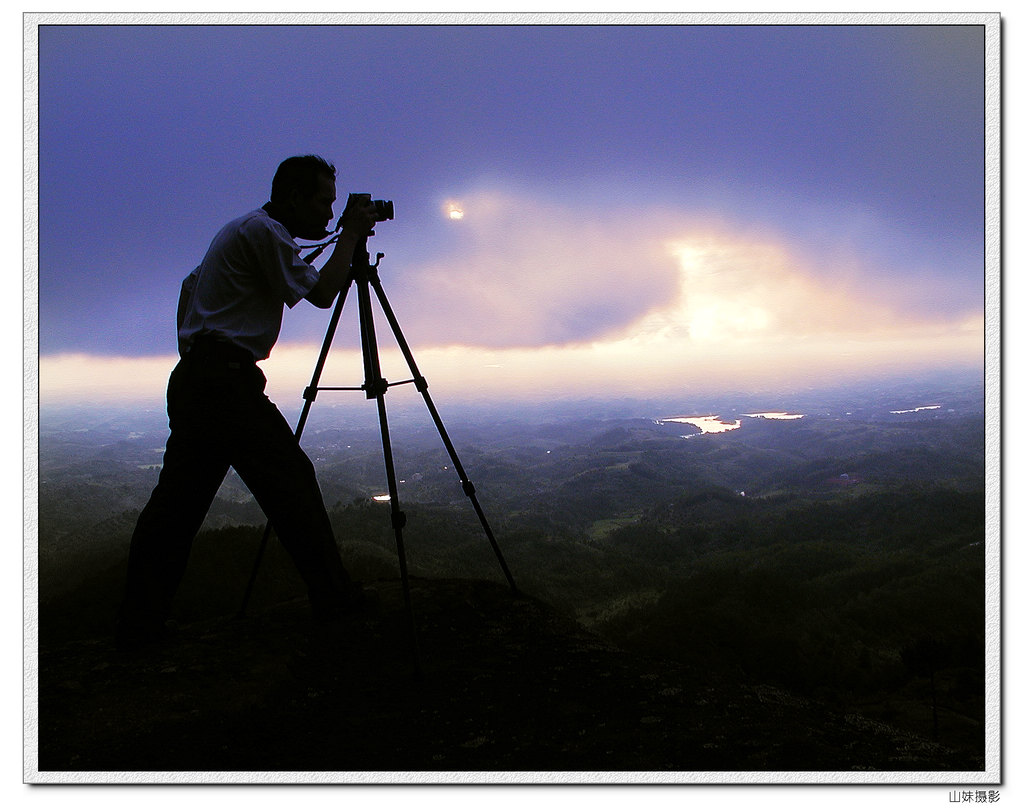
point(350, 409)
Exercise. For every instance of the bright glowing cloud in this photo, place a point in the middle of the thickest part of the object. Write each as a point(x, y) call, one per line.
point(735, 289)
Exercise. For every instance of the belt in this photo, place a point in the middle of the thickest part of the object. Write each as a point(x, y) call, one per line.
point(220, 351)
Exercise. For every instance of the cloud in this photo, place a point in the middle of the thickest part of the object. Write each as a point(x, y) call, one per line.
point(740, 288)
point(526, 273)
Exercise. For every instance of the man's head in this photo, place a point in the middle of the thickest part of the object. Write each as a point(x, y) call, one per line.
point(303, 194)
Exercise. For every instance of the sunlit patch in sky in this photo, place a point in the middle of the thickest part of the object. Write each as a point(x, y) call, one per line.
point(740, 289)
point(453, 210)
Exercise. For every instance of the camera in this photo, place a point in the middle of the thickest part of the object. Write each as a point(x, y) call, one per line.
point(385, 207)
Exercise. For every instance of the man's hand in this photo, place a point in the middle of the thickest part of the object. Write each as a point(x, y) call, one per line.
point(359, 217)
point(357, 223)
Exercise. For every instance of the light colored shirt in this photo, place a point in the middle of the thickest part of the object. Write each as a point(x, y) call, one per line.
point(250, 272)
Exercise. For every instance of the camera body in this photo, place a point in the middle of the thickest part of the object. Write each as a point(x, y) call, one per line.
point(385, 207)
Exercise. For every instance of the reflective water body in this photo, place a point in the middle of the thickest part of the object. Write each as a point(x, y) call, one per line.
point(716, 424)
point(706, 424)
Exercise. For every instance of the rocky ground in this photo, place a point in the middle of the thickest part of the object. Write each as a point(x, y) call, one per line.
point(498, 683)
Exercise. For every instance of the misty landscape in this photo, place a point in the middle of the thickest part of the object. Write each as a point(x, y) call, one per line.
point(827, 546)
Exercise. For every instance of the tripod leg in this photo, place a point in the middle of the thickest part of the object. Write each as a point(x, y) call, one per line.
point(397, 524)
point(376, 387)
point(421, 386)
point(309, 395)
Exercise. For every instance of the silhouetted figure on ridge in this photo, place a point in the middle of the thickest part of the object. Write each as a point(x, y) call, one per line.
point(229, 318)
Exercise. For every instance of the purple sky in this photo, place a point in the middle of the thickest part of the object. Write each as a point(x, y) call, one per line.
point(853, 156)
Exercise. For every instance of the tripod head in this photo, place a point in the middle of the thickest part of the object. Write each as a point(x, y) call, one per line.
point(362, 269)
point(360, 254)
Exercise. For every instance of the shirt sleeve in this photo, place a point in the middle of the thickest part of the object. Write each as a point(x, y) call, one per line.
point(188, 286)
point(289, 276)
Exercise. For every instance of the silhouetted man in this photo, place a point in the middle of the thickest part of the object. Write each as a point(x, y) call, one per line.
point(229, 318)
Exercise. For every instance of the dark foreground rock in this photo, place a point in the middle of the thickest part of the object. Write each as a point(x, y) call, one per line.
point(506, 685)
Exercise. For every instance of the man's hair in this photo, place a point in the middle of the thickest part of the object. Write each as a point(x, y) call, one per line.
point(299, 173)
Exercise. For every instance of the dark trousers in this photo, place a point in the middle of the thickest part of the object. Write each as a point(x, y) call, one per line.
point(220, 418)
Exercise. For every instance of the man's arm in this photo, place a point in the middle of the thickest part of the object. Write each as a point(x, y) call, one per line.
point(357, 224)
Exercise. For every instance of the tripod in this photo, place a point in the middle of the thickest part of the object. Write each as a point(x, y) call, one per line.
point(364, 276)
